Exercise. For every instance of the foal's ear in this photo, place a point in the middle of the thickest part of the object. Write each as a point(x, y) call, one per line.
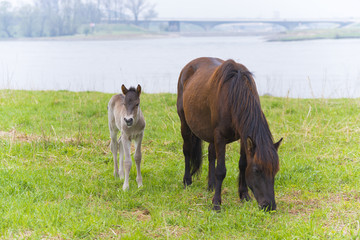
point(124, 89)
point(277, 145)
point(250, 145)
point(138, 89)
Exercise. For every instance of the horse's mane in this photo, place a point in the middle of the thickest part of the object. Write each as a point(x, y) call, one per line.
point(248, 118)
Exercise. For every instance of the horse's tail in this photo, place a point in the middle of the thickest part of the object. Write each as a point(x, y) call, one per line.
point(195, 155)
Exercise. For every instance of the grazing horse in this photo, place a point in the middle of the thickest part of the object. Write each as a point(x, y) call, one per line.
point(124, 114)
point(218, 102)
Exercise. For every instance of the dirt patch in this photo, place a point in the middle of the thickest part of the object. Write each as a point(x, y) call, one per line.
point(142, 215)
point(297, 205)
point(139, 214)
point(17, 136)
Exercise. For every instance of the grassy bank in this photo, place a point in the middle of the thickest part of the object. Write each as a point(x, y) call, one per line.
point(102, 32)
point(301, 35)
point(56, 170)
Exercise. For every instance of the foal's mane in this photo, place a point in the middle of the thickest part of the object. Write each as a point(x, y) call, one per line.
point(247, 116)
point(132, 89)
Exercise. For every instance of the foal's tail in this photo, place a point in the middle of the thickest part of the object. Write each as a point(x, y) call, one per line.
point(195, 155)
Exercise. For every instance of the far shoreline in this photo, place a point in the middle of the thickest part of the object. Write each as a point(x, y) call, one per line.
point(319, 34)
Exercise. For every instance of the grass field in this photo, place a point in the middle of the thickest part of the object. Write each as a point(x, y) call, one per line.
point(56, 173)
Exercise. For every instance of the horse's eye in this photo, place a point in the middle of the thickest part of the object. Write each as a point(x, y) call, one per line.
point(257, 170)
point(137, 104)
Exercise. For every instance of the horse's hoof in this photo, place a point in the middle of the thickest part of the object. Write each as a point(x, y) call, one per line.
point(245, 196)
point(211, 188)
point(217, 208)
point(187, 182)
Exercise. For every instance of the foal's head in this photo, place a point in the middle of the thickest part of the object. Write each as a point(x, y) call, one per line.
point(262, 166)
point(132, 102)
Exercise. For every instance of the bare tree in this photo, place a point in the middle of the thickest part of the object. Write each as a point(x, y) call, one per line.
point(6, 18)
point(62, 17)
point(119, 10)
point(114, 9)
point(29, 20)
point(137, 7)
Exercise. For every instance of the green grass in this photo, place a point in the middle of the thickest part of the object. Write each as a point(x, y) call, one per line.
point(56, 171)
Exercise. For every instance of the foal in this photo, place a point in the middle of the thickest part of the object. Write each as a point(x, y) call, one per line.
point(124, 114)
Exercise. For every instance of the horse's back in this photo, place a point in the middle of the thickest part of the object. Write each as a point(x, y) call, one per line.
point(202, 68)
point(115, 108)
point(194, 90)
point(116, 101)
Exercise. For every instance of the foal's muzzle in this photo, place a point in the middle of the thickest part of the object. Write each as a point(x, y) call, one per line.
point(129, 121)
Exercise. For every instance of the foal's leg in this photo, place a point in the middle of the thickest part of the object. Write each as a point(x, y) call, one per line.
point(114, 149)
point(243, 189)
point(137, 157)
point(212, 158)
point(220, 171)
point(121, 159)
point(127, 162)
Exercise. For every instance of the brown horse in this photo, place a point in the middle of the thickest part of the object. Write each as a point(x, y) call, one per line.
point(218, 102)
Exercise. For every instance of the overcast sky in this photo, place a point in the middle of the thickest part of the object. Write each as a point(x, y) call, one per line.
point(254, 8)
point(257, 8)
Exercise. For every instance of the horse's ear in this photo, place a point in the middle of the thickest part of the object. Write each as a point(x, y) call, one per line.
point(277, 145)
point(124, 89)
point(138, 89)
point(250, 146)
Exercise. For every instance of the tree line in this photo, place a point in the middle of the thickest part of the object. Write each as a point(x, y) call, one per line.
point(64, 17)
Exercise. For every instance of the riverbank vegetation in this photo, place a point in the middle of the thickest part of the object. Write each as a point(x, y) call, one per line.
point(43, 18)
point(315, 34)
point(56, 171)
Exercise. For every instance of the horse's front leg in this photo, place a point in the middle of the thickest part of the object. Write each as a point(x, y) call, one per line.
point(211, 174)
point(243, 189)
point(126, 142)
point(137, 157)
point(220, 171)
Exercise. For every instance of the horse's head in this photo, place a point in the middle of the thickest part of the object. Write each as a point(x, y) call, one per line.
point(262, 166)
point(132, 101)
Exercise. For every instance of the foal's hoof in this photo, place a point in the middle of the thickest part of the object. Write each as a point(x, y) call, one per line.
point(139, 182)
point(125, 187)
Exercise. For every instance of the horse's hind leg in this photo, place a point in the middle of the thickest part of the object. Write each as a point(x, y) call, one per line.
point(137, 157)
point(212, 158)
point(243, 189)
point(187, 148)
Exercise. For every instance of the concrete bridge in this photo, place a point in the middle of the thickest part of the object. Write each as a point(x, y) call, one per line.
point(174, 25)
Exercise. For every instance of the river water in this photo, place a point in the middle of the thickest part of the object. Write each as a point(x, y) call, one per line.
point(303, 69)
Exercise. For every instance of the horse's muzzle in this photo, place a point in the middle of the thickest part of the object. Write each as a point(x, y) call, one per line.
point(129, 121)
point(267, 207)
